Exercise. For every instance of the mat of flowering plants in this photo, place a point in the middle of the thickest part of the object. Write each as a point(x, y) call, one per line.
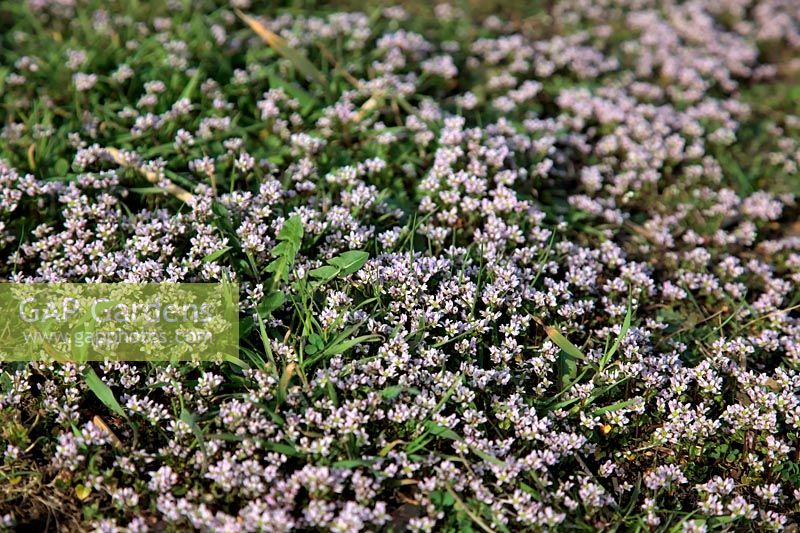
point(501, 267)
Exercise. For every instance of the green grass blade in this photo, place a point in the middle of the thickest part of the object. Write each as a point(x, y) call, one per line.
point(213, 256)
point(103, 392)
point(350, 343)
point(279, 44)
point(188, 418)
point(562, 342)
point(626, 324)
point(617, 406)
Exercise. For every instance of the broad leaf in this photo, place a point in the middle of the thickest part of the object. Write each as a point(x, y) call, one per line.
point(324, 273)
point(349, 262)
point(292, 232)
point(270, 303)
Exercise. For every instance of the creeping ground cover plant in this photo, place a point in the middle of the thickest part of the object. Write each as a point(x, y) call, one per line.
point(524, 266)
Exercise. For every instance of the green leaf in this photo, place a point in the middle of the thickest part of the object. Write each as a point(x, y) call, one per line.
point(290, 237)
point(341, 344)
point(279, 44)
point(324, 273)
point(283, 249)
point(279, 267)
point(292, 231)
point(84, 327)
point(527, 488)
point(562, 342)
point(220, 210)
point(270, 303)
point(236, 361)
point(350, 343)
point(213, 256)
point(626, 324)
point(617, 406)
point(188, 90)
point(440, 431)
point(103, 392)
point(352, 463)
point(349, 262)
point(280, 447)
point(283, 384)
point(307, 102)
point(567, 368)
point(316, 340)
point(61, 167)
point(144, 191)
point(489, 458)
point(188, 418)
point(392, 392)
point(442, 499)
